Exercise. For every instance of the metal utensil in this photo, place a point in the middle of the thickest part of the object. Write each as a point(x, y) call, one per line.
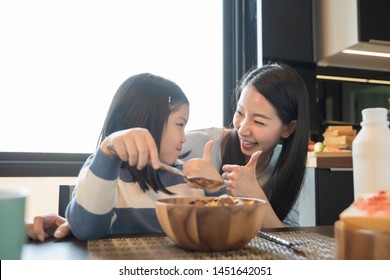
point(202, 183)
point(198, 182)
point(294, 245)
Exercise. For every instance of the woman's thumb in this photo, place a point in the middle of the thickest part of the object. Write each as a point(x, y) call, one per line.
point(253, 160)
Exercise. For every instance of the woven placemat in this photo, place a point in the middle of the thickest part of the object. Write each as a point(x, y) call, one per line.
point(319, 247)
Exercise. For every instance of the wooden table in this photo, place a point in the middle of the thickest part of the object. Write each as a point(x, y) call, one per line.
point(70, 248)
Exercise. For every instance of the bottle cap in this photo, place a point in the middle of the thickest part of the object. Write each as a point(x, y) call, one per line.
point(374, 115)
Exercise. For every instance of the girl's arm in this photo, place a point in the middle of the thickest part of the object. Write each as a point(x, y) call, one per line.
point(90, 213)
point(91, 210)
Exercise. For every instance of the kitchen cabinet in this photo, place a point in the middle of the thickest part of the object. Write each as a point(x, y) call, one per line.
point(328, 188)
point(290, 26)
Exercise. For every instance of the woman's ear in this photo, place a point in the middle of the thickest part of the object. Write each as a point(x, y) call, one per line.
point(290, 128)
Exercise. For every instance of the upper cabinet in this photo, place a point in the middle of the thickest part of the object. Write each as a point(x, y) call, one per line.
point(326, 32)
point(287, 28)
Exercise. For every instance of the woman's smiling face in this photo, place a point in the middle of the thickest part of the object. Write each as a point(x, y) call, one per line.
point(257, 123)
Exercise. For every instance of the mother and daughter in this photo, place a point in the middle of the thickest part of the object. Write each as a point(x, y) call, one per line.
point(263, 155)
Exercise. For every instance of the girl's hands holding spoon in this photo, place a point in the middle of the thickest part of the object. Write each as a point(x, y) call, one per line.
point(135, 146)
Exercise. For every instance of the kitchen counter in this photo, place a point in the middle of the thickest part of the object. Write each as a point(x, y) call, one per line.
point(328, 188)
point(329, 159)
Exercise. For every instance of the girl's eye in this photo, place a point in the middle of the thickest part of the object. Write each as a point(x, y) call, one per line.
point(181, 124)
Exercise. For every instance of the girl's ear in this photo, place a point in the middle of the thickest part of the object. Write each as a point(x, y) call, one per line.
point(290, 128)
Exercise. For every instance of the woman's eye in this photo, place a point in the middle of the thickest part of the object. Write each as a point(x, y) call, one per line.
point(259, 123)
point(181, 124)
point(239, 113)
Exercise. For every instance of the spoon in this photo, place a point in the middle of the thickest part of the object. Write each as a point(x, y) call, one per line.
point(197, 182)
point(294, 245)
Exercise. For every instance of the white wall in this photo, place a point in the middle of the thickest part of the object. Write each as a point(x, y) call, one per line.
point(43, 192)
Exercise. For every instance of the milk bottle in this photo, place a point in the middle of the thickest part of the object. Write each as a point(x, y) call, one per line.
point(371, 153)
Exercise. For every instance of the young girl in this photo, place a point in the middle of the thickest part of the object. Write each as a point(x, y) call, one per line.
point(264, 154)
point(145, 123)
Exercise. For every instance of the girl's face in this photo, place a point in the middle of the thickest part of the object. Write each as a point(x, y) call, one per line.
point(173, 135)
point(257, 123)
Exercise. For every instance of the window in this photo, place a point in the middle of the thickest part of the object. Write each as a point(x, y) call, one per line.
point(62, 62)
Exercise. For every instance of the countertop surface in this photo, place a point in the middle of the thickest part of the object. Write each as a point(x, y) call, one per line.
point(329, 159)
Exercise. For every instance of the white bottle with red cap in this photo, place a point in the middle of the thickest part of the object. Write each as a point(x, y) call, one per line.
point(371, 153)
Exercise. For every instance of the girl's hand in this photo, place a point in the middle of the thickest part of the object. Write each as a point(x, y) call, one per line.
point(241, 180)
point(135, 146)
point(46, 226)
point(202, 167)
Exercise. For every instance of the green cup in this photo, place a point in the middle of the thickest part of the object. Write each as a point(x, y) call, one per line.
point(12, 225)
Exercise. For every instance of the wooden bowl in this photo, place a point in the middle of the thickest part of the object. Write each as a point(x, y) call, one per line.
point(361, 244)
point(210, 228)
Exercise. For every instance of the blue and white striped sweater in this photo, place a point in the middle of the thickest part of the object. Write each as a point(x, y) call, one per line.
point(106, 201)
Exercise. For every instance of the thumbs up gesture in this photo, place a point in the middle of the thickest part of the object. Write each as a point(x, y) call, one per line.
point(202, 167)
point(241, 180)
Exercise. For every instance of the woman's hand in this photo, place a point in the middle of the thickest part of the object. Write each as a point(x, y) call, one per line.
point(46, 226)
point(241, 180)
point(202, 167)
point(135, 146)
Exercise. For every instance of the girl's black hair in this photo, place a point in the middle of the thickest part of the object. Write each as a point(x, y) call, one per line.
point(286, 91)
point(144, 100)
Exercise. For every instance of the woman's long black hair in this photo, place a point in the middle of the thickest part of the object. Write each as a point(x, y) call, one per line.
point(144, 100)
point(286, 91)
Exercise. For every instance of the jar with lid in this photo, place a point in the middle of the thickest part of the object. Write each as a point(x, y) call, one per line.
point(371, 153)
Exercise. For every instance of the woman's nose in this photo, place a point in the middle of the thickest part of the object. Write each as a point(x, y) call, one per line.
point(244, 128)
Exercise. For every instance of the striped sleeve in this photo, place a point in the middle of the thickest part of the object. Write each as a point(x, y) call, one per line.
point(91, 210)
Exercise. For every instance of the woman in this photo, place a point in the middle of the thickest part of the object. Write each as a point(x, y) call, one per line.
point(264, 154)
